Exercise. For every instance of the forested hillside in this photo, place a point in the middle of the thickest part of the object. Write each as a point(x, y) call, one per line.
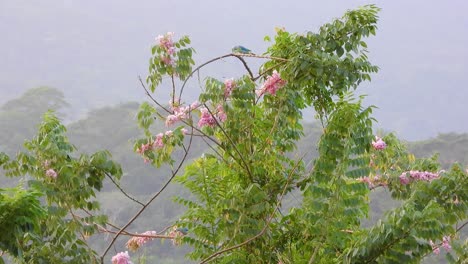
point(114, 128)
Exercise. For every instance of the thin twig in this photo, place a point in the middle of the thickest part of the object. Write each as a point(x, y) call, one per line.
point(246, 166)
point(121, 190)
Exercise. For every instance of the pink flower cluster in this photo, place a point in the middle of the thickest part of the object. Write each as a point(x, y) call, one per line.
point(378, 144)
point(136, 242)
point(445, 244)
point(409, 176)
point(157, 143)
point(51, 173)
point(229, 85)
point(272, 84)
point(372, 182)
point(435, 248)
point(168, 45)
point(175, 233)
point(121, 258)
point(207, 119)
point(180, 112)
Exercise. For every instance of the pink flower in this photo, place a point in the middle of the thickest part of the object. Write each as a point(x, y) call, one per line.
point(176, 234)
point(195, 105)
point(137, 241)
point(378, 144)
point(158, 140)
point(171, 119)
point(272, 84)
point(221, 114)
point(366, 180)
point(182, 112)
point(184, 131)
point(229, 85)
point(171, 50)
point(206, 118)
point(121, 258)
point(167, 60)
point(174, 104)
point(417, 176)
point(51, 173)
point(435, 248)
point(166, 41)
point(404, 179)
point(168, 133)
point(446, 243)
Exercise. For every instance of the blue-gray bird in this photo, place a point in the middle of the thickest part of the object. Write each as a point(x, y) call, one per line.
point(241, 49)
point(183, 230)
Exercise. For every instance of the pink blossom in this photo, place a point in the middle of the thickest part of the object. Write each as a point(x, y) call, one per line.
point(184, 131)
point(418, 176)
point(272, 84)
point(229, 85)
point(435, 248)
point(51, 173)
point(378, 144)
point(121, 258)
point(182, 112)
point(366, 180)
point(168, 133)
point(176, 234)
point(206, 118)
point(446, 243)
point(137, 241)
point(171, 50)
point(174, 104)
point(221, 114)
point(171, 119)
point(158, 140)
point(166, 41)
point(195, 105)
point(167, 60)
point(403, 179)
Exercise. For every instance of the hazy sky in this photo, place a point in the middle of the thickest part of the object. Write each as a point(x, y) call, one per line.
point(94, 50)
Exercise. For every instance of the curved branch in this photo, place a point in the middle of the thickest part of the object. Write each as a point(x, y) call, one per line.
point(238, 56)
point(149, 202)
point(120, 188)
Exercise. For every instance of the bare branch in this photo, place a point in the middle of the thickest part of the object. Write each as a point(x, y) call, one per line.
point(237, 55)
point(121, 190)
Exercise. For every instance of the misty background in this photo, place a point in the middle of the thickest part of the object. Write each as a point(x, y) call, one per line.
point(94, 50)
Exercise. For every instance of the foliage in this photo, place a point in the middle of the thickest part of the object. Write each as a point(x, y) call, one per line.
point(68, 185)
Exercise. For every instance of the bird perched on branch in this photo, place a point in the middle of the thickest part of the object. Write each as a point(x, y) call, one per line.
point(241, 49)
point(183, 230)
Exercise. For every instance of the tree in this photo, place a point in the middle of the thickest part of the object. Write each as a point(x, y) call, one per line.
point(252, 125)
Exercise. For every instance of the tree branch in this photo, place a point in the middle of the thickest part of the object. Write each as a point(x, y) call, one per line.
point(147, 203)
point(121, 190)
